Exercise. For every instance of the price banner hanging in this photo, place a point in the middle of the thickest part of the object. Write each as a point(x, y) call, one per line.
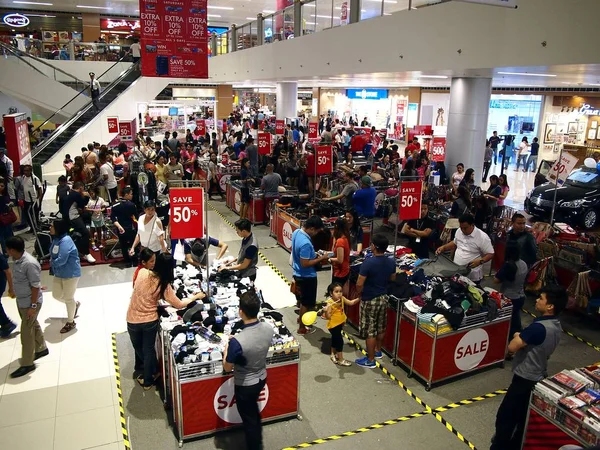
point(438, 149)
point(113, 124)
point(410, 200)
point(313, 130)
point(264, 143)
point(126, 131)
point(279, 127)
point(324, 159)
point(201, 127)
point(186, 213)
point(562, 169)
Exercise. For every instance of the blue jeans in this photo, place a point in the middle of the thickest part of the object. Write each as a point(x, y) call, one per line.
point(4, 320)
point(143, 339)
point(532, 159)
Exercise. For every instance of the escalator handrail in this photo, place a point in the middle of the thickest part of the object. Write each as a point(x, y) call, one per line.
point(57, 132)
point(82, 91)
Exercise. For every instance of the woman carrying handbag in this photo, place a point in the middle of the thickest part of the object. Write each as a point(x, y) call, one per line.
point(7, 216)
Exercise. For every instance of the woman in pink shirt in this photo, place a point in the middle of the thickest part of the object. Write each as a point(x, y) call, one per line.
point(142, 315)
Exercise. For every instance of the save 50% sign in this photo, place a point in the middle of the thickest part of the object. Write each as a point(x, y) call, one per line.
point(411, 193)
point(562, 169)
point(186, 213)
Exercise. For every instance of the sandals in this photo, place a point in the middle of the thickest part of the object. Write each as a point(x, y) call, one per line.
point(69, 326)
point(140, 380)
point(343, 362)
point(333, 359)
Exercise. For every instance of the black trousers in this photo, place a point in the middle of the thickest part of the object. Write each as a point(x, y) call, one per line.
point(5, 322)
point(341, 280)
point(515, 321)
point(486, 170)
point(337, 341)
point(113, 193)
point(247, 405)
point(126, 240)
point(96, 99)
point(143, 339)
point(512, 415)
point(83, 242)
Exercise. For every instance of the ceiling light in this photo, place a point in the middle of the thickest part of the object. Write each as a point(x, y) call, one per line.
point(323, 17)
point(226, 8)
point(441, 77)
point(213, 15)
point(339, 78)
point(249, 18)
point(385, 1)
point(93, 7)
point(38, 15)
point(268, 11)
point(339, 7)
point(32, 3)
point(525, 74)
point(310, 5)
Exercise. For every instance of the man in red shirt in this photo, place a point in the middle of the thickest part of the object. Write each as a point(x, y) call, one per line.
point(414, 145)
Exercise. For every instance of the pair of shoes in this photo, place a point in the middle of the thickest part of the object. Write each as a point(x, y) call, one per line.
point(307, 330)
point(41, 354)
point(378, 355)
point(77, 305)
point(344, 363)
point(101, 246)
point(22, 371)
point(69, 326)
point(89, 258)
point(94, 248)
point(7, 331)
point(21, 231)
point(365, 362)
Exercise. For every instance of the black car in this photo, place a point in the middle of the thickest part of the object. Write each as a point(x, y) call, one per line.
point(577, 201)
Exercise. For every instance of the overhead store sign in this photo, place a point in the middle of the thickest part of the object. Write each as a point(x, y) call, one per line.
point(16, 20)
point(504, 3)
point(367, 94)
point(119, 25)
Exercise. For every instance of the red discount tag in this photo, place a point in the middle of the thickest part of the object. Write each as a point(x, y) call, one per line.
point(324, 158)
point(201, 127)
point(313, 130)
point(113, 124)
point(279, 127)
point(187, 213)
point(438, 149)
point(264, 143)
point(125, 131)
point(410, 200)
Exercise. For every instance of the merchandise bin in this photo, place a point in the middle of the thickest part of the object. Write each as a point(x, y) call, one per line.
point(549, 426)
point(435, 356)
point(233, 200)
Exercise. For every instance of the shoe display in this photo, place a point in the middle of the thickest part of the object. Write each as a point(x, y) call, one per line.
point(22, 371)
point(7, 331)
point(89, 258)
point(364, 362)
point(78, 304)
point(378, 355)
point(68, 327)
point(41, 354)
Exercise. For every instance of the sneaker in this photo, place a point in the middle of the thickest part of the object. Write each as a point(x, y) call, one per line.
point(307, 330)
point(101, 246)
point(41, 354)
point(94, 248)
point(21, 231)
point(69, 326)
point(378, 355)
point(7, 331)
point(77, 305)
point(89, 258)
point(364, 362)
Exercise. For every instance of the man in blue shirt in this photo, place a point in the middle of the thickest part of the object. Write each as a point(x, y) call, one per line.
point(532, 348)
point(375, 274)
point(364, 198)
point(295, 134)
point(304, 260)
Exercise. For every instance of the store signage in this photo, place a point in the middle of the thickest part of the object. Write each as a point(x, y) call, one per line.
point(504, 3)
point(367, 94)
point(237, 201)
point(119, 25)
point(313, 130)
point(225, 404)
point(286, 233)
point(438, 149)
point(113, 124)
point(588, 110)
point(562, 169)
point(279, 127)
point(344, 14)
point(18, 147)
point(324, 158)
point(503, 104)
point(264, 143)
point(225, 178)
point(125, 131)
point(174, 38)
point(186, 213)
point(15, 20)
point(201, 127)
point(412, 115)
point(471, 349)
point(411, 194)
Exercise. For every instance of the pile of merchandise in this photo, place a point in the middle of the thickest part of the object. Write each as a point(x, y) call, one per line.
point(572, 399)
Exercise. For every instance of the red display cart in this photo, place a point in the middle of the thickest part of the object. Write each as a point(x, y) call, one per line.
point(233, 200)
point(282, 227)
point(433, 355)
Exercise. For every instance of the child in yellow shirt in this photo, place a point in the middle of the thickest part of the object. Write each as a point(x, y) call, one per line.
point(334, 311)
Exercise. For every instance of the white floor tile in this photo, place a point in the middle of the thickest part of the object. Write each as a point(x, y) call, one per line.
point(31, 435)
point(26, 407)
point(84, 369)
point(112, 446)
point(86, 429)
point(46, 375)
point(84, 396)
point(6, 356)
point(3, 376)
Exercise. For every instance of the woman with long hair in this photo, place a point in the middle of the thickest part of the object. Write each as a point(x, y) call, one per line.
point(458, 176)
point(355, 230)
point(150, 233)
point(409, 170)
point(469, 179)
point(142, 315)
point(341, 252)
point(462, 204)
point(503, 183)
point(512, 276)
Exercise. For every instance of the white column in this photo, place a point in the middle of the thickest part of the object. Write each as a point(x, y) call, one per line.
point(467, 124)
point(287, 100)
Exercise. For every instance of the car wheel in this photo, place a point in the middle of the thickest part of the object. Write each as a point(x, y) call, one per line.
point(590, 218)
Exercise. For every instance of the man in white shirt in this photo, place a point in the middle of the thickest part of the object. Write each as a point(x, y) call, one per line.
point(473, 247)
point(136, 51)
point(108, 175)
point(8, 164)
point(95, 90)
point(29, 190)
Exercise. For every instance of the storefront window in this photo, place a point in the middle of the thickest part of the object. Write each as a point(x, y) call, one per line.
point(518, 115)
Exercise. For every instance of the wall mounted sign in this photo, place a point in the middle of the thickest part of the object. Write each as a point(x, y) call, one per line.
point(119, 25)
point(367, 94)
point(15, 20)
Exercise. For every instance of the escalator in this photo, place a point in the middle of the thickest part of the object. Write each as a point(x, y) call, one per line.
point(59, 137)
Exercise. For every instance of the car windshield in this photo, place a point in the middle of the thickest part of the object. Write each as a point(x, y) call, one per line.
point(584, 177)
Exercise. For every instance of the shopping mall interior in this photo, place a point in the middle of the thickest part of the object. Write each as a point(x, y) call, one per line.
point(348, 114)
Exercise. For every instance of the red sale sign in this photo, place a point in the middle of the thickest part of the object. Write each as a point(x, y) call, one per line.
point(438, 149)
point(264, 143)
point(411, 193)
point(18, 147)
point(313, 130)
point(174, 38)
point(324, 159)
point(201, 127)
point(279, 127)
point(186, 213)
point(113, 124)
point(126, 131)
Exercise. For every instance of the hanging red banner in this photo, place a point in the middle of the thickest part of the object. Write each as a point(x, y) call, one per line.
point(201, 127)
point(324, 159)
point(186, 212)
point(264, 143)
point(313, 130)
point(113, 124)
point(438, 149)
point(411, 193)
point(279, 127)
point(18, 147)
point(174, 38)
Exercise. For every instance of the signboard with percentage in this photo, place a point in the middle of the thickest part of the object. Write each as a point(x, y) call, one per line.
point(410, 200)
point(113, 124)
point(18, 147)
point(438, 149)
point(186, 213)
point(313, 130)
point(562, 169)
point(126, 131)
point(324, 159)
point(264, 143)
point(279, 127)
point(201, 127)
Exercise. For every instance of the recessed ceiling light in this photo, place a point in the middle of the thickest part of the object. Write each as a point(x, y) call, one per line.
point(441, 77)
point(226, 8)
point(38, 15)
point(385, 1)
point(213, 15)
point(93, 7)
point(32, 3)
point(268, 11)
point(525, 74)
point(249, 18)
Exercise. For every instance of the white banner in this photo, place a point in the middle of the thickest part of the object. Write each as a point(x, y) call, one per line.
point(562, 169)
point(504, 3)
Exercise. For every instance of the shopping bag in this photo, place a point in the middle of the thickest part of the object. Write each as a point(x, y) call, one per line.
point(179, 253)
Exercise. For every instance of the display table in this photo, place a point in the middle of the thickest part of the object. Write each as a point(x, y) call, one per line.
point(256, 208)
point(434, 356)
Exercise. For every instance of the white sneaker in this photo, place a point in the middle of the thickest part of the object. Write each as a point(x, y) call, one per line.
point(89, 258)
point(24, 230)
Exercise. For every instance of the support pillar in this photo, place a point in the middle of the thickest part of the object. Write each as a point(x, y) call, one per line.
point(287, 100)
point(213, 45)
point(233, 45)
point(260, 29)
point(298, 31)
point(91, 27)
point(354, 16)
point(467, 123)
point(224, 101)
